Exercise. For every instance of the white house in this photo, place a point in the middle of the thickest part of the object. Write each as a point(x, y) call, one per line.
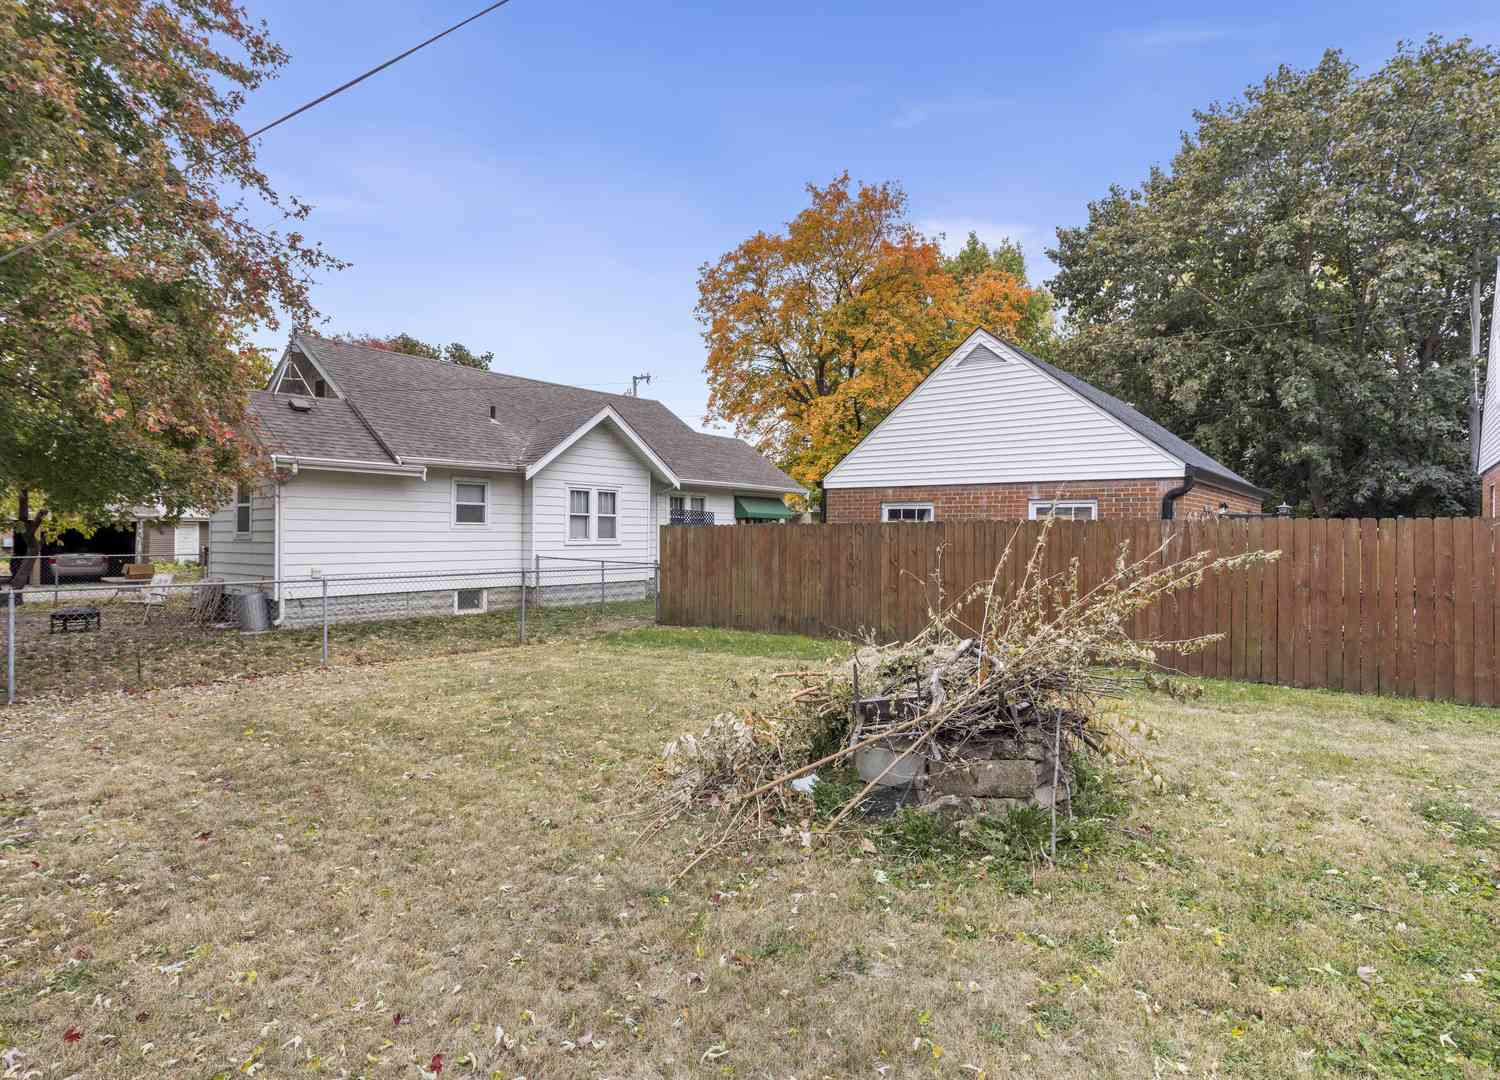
point(389, 464)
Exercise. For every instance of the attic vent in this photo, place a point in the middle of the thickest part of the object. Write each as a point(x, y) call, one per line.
point(300, 404)
point(492, 412)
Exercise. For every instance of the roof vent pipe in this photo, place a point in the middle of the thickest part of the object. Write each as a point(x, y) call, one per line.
point(1169, 499)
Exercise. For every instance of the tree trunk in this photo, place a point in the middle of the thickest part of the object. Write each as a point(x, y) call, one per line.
point(28, 546)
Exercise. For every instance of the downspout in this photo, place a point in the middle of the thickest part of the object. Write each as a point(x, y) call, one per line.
point(276, 548)
point(1169, 499)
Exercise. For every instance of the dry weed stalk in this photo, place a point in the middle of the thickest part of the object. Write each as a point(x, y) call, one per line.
point(996, 660)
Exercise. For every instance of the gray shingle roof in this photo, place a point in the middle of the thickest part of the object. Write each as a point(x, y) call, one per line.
point(330, 430)
point(1146, 427)
point(430, 410)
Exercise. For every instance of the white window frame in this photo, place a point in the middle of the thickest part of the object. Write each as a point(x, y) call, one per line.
point(454, 503)
point(1033, 506)
point(593, 539)
point(244, 497)
point(484, 602)
point(886, 508)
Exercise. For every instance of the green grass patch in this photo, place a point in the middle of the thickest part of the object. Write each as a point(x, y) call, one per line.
point(733, 642)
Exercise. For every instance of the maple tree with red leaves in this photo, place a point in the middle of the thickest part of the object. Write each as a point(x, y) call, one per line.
point(125, 352)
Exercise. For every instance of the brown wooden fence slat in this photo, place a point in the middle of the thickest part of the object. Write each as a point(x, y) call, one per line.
point(1349, 616)
point(1406, 627)
point(1443, 613)
point(1333, 602)
point(1316, 603)
point(1463, 611)
point(1369, 606)
point(1424, 600)
point(1390, 588)
point(1483, 589)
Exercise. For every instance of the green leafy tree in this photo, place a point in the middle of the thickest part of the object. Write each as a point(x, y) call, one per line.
point(124, 343)
point(414, 346)
point(1293, 294)
point(976, 258)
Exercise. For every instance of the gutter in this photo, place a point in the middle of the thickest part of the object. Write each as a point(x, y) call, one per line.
point(1168, 499)
point(295, 463)
point(732, 486)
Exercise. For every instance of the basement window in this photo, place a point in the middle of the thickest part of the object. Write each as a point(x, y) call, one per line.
point(895, 513)
point(1063, 509)
point(469, 601)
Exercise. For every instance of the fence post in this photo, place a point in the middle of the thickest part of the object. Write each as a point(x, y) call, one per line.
point(601, 586)
point(656, 588)
point(523, 605)
point(325, 621)
point(10, 646)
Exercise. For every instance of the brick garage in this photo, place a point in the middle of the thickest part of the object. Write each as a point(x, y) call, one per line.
point(1489, 492)
point(1117, 499)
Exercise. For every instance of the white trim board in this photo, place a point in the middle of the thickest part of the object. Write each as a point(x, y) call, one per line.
point(637, 443)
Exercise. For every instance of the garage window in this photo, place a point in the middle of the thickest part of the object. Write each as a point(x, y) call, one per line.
point(1063, 509)
point(893, 513)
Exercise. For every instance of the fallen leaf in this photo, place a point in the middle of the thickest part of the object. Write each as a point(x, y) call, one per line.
point(435, 1066)
point(72, 1035)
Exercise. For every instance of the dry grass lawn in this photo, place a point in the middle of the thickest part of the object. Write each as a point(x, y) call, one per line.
point(348, 873)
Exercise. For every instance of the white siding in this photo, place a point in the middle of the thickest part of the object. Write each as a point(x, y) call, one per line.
point(995, 418)
point(339, 524)
point(718, 503)
point(600, 459)
point(235, 557)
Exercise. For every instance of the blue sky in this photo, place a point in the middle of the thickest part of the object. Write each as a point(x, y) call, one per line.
point(546, 182)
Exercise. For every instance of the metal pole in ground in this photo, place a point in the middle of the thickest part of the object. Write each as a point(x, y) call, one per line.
point(656, 588)
point(10, 647)
point(523, 607)
point(325, 622)
point(601, 586)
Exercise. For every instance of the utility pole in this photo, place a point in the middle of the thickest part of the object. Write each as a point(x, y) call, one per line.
point(636, 380)
point(1476, 402)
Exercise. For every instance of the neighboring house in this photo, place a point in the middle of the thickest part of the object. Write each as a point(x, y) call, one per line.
point(159, 541)
point(394, 464)
point(995, 433)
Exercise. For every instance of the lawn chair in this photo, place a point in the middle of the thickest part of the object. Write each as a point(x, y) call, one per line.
point(153, 595)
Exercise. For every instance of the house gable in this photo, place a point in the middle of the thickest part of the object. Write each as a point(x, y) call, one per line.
point(988, 415)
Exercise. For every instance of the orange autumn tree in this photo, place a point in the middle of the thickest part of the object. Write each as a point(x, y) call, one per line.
point(816, 333)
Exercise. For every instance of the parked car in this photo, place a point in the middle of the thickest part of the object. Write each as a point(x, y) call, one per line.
point(77, 566)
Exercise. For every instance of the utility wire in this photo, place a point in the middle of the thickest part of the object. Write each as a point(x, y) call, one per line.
point(69, 226)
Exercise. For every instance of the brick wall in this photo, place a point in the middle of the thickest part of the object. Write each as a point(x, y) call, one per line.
point(1489, 492)
point(1008, 502)
point(1204, 499)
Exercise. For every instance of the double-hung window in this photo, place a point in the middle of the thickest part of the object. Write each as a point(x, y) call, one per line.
point(470, 502)
point(1063, 509)
point(609, 521)
point(241, 510)
point(593, 514)
point(579, 501)
point(892, 513)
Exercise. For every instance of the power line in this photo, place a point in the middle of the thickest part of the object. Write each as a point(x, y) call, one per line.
point(69, 226)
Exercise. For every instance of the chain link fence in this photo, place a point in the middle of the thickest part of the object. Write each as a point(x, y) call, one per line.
point(65, 638)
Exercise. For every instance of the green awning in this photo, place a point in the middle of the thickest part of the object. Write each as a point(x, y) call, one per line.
point(750, 508)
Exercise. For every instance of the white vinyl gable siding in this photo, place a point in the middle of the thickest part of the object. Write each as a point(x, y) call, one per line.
point(988, 416)
point(337, 524)
point(601, 460)
point(236, 556)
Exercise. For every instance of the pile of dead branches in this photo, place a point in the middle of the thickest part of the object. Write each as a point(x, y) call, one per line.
point(1031, 658)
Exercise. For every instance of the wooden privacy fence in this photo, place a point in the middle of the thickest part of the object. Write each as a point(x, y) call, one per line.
point(1396, 606)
